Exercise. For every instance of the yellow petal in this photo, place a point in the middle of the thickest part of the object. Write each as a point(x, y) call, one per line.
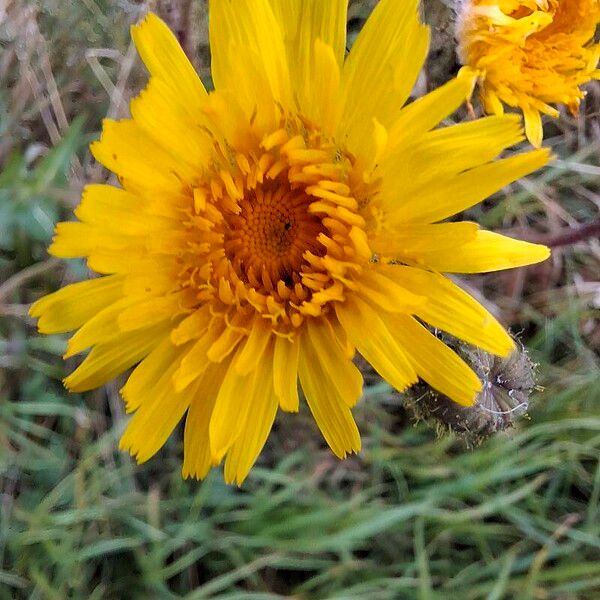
point(196, 361)
point(225, 344)
point(533, 125)
point(113, 357)
point(127, 150)
point(448, 196)
point(193, 326)
point(374, 147)
point(170, 124)
point(303, 22)
point(254, 348)
point(426, 112)
point(247, 51)
point(386, 294)
point(153, 277)
point(115, 210)
point(157, 416)
point(111, 261)
point(197, 458)
point(376, 344)
point(434, 362)
point(314, 35)
point(140, 384)
point(444, 153)
point(99, 328)
point(148, 311)
point(152, 211)
point(451, 309)
point(381, 69)
point(248, 445)
point(164, 58)
point(73, 240)
point(238, 394)
point(73, 305)
point(329, 410)
point(320, 95)
point(411, 240)
point(493, 105)
point(341, 371)
point(285, 373)
point(487, 252)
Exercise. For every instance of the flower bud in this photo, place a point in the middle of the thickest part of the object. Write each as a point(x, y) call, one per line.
point(507, 385)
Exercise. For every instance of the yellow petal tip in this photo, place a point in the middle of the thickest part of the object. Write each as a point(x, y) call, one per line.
point(35, 309)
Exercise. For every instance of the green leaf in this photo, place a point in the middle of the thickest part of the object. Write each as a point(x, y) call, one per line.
point(57, 161)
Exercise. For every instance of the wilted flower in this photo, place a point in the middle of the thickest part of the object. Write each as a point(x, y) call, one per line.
point(504, 397)
point(251, 242)
point(531, 54)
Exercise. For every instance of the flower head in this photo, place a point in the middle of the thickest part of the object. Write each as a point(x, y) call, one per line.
point(531, 54)
point(265, 231)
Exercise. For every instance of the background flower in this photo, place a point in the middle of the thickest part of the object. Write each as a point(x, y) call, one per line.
point(531, 54)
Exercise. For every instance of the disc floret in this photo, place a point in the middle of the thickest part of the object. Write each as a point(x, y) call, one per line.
point(277, 231)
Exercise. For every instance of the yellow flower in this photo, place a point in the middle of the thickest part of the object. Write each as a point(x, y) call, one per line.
point(268, 229)
point(531, 54)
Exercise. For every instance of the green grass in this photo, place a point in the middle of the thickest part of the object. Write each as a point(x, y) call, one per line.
point(413, 516)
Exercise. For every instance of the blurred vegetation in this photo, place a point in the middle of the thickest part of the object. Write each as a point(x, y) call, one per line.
point(413, 516)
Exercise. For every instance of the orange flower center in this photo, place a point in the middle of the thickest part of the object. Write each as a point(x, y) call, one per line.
point(276, 228)
point(271, 233)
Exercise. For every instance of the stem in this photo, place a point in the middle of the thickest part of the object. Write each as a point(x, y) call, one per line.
point(14, 282)
point(571, 236)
